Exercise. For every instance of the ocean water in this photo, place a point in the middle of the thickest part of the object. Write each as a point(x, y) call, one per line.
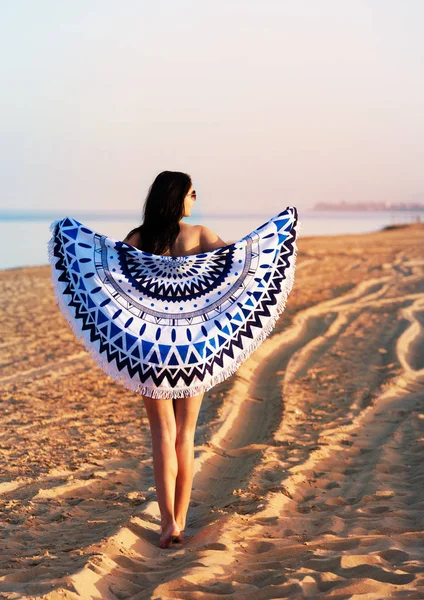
point(24, 237)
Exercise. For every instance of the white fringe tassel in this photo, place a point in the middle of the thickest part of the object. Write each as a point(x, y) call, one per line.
point(183, 392)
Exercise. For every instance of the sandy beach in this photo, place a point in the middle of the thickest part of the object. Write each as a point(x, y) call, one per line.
point(309, 460)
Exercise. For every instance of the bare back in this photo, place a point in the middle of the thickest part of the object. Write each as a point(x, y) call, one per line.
point(192, 239)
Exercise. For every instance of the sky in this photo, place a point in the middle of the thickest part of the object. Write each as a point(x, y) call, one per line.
point(264, 103)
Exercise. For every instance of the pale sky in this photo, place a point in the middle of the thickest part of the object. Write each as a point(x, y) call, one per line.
point(264, 103)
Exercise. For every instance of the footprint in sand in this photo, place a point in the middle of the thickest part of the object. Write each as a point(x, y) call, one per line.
point(374, 510)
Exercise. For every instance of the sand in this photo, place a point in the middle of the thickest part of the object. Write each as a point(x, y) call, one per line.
point(309, 470)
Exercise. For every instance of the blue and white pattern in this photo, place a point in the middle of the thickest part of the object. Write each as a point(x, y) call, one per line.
point(172, 327)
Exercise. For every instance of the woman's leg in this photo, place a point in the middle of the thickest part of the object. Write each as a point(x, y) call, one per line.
point(186, 414)
point(163, 431)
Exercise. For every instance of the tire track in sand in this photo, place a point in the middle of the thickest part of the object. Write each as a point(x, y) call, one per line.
point(250, 421)
point(46, 370)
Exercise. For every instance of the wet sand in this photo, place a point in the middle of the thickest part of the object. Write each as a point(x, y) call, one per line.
point(309, 459)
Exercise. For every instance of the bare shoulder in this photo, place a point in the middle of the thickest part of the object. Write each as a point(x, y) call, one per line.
point(189, 227)
point(189, 232)
point(209, 240)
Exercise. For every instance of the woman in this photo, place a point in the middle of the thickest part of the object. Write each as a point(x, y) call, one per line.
point(172, 421)
point(171, 328)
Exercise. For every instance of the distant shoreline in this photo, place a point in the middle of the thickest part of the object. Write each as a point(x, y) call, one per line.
point(110, 216)
point(303, 237)
point(322, 207)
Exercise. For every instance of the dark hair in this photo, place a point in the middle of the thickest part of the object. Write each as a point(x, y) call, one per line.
point(163, 209)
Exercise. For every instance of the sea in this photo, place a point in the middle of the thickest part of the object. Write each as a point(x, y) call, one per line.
point(24, 236)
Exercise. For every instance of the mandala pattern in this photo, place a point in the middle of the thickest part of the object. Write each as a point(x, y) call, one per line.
point(172, 327)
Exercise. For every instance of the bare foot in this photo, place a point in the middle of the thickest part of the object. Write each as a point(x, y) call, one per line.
point(168, 535)
point(179, 538)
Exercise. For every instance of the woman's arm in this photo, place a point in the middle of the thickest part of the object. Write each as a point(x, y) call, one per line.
point(210, 240)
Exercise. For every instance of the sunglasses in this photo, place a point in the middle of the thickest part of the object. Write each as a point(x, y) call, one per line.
point(193, 194)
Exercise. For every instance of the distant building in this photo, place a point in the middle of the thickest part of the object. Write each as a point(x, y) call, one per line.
point(369, 206)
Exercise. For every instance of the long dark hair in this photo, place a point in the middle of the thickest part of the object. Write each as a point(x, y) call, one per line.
point(163, 209)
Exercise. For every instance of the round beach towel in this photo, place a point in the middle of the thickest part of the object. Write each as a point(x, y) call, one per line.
point(172, 327)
